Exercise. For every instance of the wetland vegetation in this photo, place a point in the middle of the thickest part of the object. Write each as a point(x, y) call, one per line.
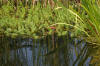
point(49, 32)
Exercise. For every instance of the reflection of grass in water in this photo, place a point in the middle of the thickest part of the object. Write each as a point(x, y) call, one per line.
point(6, 51)
point(96, 58)
point(54, 57)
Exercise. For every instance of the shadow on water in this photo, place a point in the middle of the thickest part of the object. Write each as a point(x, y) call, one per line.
point(60, 51)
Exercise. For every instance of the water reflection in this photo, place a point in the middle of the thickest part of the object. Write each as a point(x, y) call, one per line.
point(43, 52)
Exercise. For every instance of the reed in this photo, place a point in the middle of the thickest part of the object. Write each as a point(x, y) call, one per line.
point(89, 18)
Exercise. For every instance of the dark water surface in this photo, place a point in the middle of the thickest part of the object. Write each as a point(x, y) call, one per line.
point(45, 52)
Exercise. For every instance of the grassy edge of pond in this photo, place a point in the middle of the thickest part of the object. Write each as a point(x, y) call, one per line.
point(34, 22)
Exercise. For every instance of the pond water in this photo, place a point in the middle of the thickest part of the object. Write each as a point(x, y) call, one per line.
point(60, 51)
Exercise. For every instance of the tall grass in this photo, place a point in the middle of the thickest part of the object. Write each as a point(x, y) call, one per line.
point(90, 18)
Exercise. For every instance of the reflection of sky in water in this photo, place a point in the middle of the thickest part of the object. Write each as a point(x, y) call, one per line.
point(33, 56)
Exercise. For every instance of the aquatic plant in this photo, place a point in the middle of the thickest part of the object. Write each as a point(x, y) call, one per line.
point(34, 21)
point(89, 17)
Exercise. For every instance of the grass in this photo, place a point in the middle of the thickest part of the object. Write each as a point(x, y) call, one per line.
point(34, 21)
point(89, 19)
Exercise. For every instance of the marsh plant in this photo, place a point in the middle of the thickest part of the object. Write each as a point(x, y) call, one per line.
point(89, 17)
point(34, 21)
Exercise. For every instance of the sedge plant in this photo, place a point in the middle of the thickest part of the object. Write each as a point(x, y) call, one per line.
point(89, 18)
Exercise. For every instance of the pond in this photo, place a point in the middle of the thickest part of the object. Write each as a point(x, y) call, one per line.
point(58, 51)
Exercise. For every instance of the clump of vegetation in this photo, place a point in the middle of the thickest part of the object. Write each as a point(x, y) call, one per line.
point(34, 21)
point(89, 17)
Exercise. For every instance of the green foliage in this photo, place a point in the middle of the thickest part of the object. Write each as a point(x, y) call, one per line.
point(89, 19)
point(93, 23)
point(34, 21)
